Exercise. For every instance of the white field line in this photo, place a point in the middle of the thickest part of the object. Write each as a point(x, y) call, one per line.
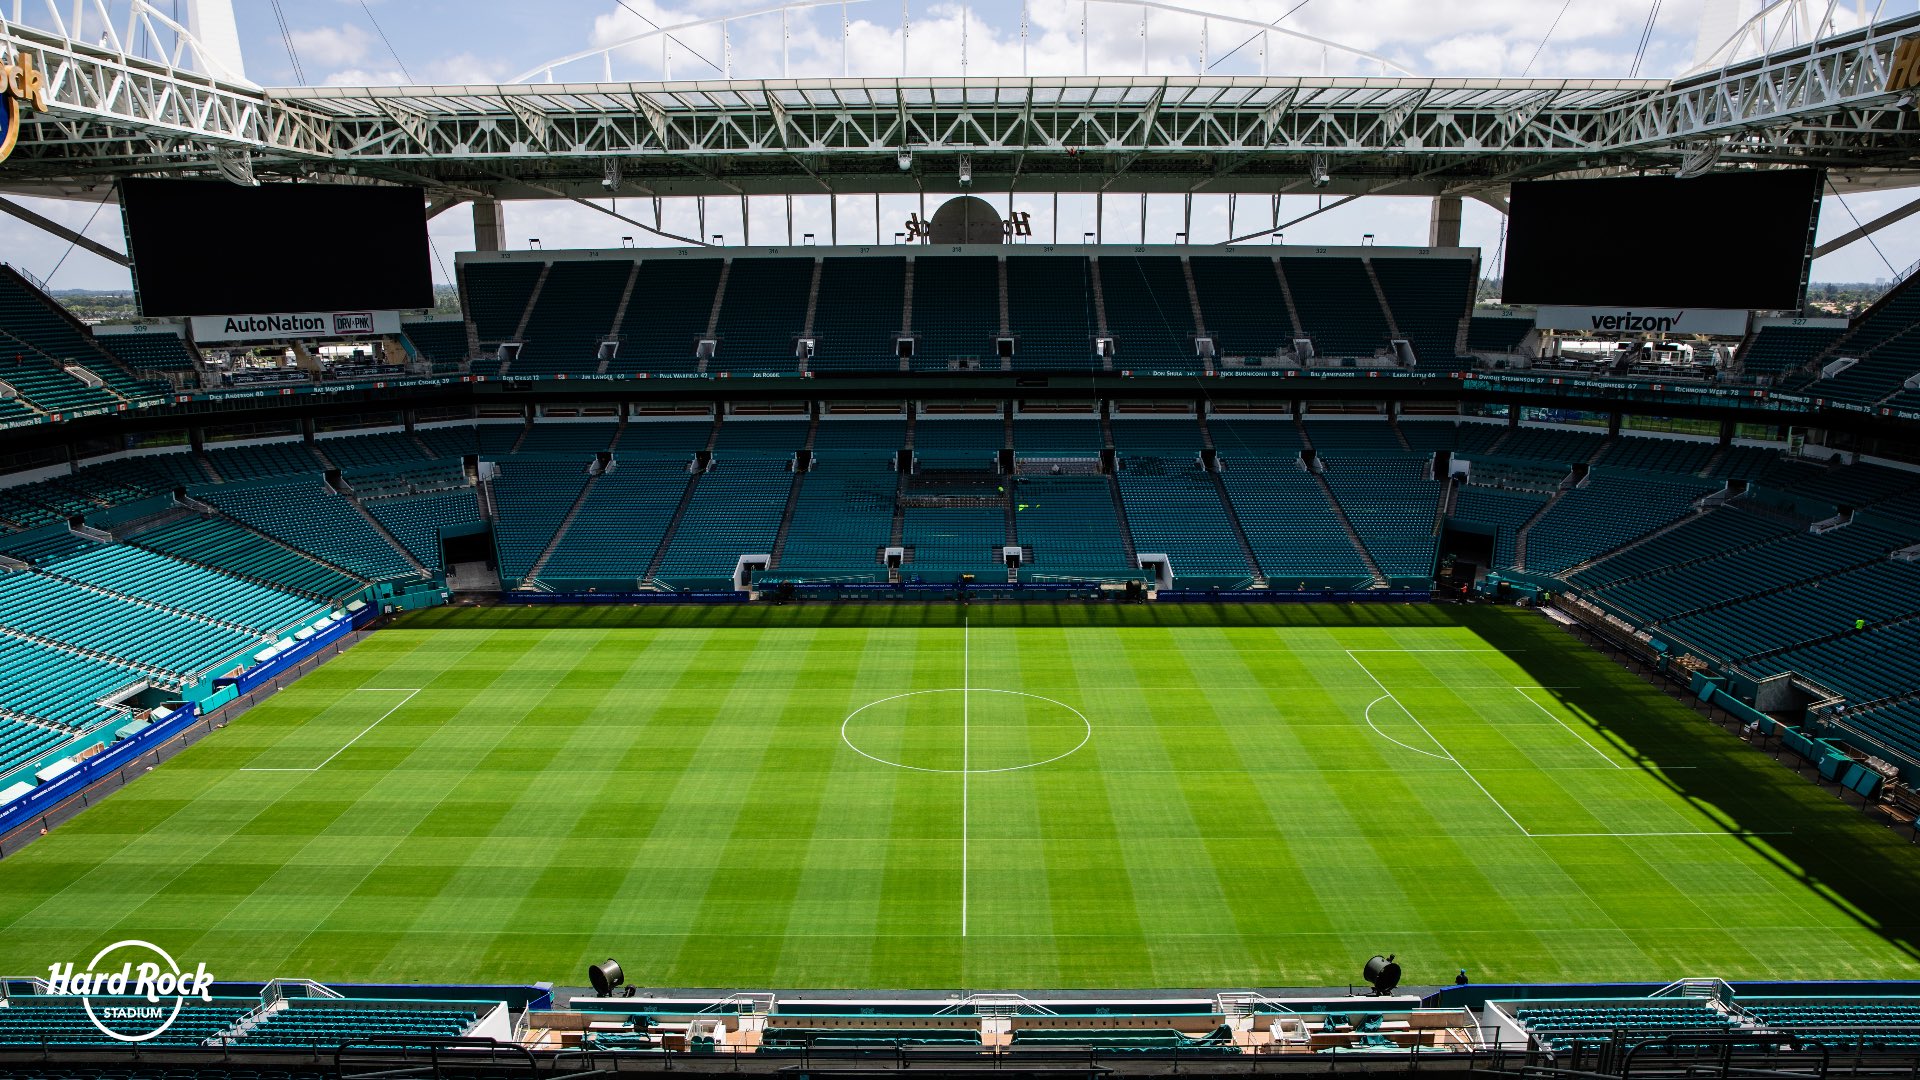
point(1522, 691)
point(966, 754)
point(356, 738)
point(1524, 831)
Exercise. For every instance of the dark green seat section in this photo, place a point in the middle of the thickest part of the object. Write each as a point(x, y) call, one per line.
point(1499, 511)
point(418, 521)
point(307, 515)
point(1428, 298)
point(532, 496)
point(621, 521)
point(1337, 305)
point(571, 316)
point(1491, 333)
point(1149, 312)
point(442, 344)
point(1050, 310)
point(264, 460)
point(495, 296)
point(154, 351)
point(857, 315)
point(373, 451)
point(666, 315)
point(1606, 511)
point(1659, 455)
point(1393, 505)
point(1241, 304)
point(735, 510)
point(231, 549)
point(762, 314)
point(956, 310)
point(1290, 525)
point(1880, 341)
point(1174, 509)
point(1779, 350)
point(1070, 524)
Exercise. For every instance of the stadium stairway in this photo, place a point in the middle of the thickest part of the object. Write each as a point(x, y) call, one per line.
point(380, 527)
point(211, 511)
point(673, 523)
point(1526, 527)
point(559, 533)
point(1353, 535)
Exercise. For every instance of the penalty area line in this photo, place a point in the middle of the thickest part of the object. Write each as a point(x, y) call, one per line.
point(1387, 695)
point(316, 768)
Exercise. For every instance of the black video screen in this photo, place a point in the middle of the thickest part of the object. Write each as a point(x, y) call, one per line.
point(1724, 240)
point(208, 247)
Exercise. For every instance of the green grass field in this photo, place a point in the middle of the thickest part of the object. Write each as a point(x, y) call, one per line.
point(1043, 797)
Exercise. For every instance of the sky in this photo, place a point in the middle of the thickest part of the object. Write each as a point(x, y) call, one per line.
point(351, 42)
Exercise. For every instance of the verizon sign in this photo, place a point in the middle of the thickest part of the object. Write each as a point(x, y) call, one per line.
point(1721, 322)
point(283, 326)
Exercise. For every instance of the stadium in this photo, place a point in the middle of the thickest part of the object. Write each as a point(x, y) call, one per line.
point(923, 575)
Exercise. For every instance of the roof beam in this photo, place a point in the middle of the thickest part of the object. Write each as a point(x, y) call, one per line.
point(46, 224)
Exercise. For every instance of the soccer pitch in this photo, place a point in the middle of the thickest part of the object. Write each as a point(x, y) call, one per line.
point(917, 797)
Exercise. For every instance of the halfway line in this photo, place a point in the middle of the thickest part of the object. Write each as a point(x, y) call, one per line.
point(966, 754)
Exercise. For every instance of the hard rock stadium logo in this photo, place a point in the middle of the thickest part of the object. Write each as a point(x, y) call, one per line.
point(20, 83)
point(136, 1001)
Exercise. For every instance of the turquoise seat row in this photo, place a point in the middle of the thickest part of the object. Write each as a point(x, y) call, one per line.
point(226, 547)
point(150, 576)
point(308, 515)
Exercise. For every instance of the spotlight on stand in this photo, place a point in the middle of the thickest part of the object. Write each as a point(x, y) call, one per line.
point(1383, 974)
point(607, 979)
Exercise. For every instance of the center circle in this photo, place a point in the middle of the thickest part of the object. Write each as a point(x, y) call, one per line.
point(990, 731)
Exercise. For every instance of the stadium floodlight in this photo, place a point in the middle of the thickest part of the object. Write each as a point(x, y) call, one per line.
point(626, 241)
point(1366, 239)
point(1383, 974)
point(1319, 172)
point(966, 170)
point(606, 978)
point(533, 243)
point(905, 159)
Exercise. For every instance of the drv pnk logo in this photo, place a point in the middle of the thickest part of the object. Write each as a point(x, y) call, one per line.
point(137, 1001)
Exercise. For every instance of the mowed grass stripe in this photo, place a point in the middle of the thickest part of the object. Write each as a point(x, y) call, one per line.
point(670, 788)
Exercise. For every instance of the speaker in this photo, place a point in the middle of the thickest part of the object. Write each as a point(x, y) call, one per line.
point(606, 977)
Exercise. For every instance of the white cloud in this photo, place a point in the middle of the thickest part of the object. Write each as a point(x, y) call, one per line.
point(331, 46)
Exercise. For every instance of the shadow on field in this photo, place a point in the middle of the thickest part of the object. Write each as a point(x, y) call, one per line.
point(1868, 872)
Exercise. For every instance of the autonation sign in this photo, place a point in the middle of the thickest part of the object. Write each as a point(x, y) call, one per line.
point(139, 999)
point(1721, 322)
point(283, 326)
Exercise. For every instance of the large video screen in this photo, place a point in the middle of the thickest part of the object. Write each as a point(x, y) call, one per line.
point(1732, 240)
point(207, 247)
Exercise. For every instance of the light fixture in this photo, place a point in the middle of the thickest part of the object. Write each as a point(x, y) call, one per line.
point(905, 159)
point(533, 242)
point(1318, 171)
point(966, 170)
